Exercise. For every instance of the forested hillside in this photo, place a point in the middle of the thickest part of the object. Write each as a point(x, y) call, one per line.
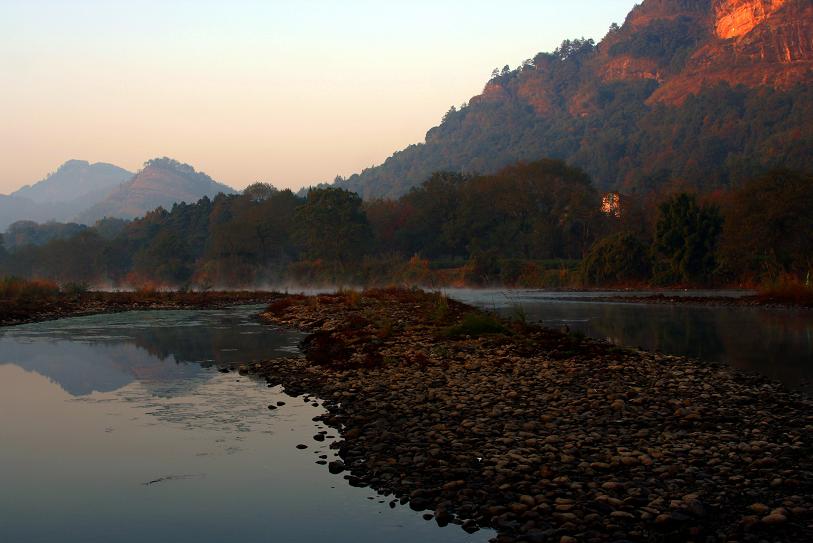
point(691, 93)
point(539, 224)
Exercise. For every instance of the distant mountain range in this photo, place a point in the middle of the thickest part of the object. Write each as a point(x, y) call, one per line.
point(161, 183)
point(82, 192)
point(63, 194)
point(75, 181)
point(703, 93)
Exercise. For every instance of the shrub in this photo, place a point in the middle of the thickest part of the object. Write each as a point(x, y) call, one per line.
point(475, 325)
point(75, 289)
point(440, 309)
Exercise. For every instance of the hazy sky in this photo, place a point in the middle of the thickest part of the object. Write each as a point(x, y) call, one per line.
point(290, 92)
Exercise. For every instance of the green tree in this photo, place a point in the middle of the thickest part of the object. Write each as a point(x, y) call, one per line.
point(428, 213)
point(618, 259)
point(686, 238)
point(331, 225)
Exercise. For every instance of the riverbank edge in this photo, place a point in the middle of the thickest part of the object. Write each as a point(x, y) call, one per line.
point(377, 360)
point(751, 301)
point(14, 313)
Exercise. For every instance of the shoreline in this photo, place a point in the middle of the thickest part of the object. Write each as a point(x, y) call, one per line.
point(540, 435)
point(545, 436)
point(99, 303)
point(751, 301)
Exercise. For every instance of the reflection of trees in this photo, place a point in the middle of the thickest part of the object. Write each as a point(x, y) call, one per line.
point(675, 330)
point(778, 344)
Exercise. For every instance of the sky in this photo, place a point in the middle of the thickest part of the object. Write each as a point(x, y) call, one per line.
point(287, 92)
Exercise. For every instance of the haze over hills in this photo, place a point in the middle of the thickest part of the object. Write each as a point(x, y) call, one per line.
point(161, 183)
point(61, 195)
point(704, 93)
point(75, 180)
point(82, 192)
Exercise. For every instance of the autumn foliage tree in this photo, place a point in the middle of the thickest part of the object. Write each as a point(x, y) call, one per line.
point(769, 227)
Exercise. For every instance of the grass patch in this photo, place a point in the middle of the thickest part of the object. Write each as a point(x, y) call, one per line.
point(476, 325)
point(440, 308)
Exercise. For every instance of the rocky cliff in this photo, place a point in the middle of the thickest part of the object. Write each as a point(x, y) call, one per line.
point(754, 43)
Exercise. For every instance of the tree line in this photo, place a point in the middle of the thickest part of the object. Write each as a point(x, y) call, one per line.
point(530, 224)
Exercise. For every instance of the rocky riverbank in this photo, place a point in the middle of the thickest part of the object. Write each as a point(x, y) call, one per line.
point(21, 311)
point(546, 436)
point(756, 300)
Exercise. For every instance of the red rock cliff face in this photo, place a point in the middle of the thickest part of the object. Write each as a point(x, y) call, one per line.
point(755, 43)
point(735, 18)
point(739, 42)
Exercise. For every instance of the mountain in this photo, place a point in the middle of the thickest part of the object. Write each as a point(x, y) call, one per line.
point(161, 183)
point(73, 181)
point(13, 209)
point(61, 195)
point(703, 93)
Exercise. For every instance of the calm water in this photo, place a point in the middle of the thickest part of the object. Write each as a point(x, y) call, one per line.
point(120, 428)
point(775, 343)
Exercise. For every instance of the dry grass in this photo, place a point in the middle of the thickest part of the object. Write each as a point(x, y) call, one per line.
point(12, 288)
point(788, 292)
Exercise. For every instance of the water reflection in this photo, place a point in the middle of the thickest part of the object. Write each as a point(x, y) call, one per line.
point(113, 429)
point(775, 343)
point(106, 352)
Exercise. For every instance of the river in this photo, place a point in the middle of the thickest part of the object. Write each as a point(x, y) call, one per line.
point(777, 343)
point(121, 428)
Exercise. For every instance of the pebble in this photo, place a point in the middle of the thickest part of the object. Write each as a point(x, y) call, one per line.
point(545, 437)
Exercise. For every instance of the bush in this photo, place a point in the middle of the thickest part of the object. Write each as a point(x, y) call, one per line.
point(482, 269)
point(475, 325)
point(75, 289)
point(617, 259)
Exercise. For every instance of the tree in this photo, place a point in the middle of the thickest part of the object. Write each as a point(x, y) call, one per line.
point(109, 228)
point(259, 192)
point(429, 212)
point(618, 259)
point(686, 237)
point(331, 225)
point(769, 227)
point(574, 48)
point(543, 209)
